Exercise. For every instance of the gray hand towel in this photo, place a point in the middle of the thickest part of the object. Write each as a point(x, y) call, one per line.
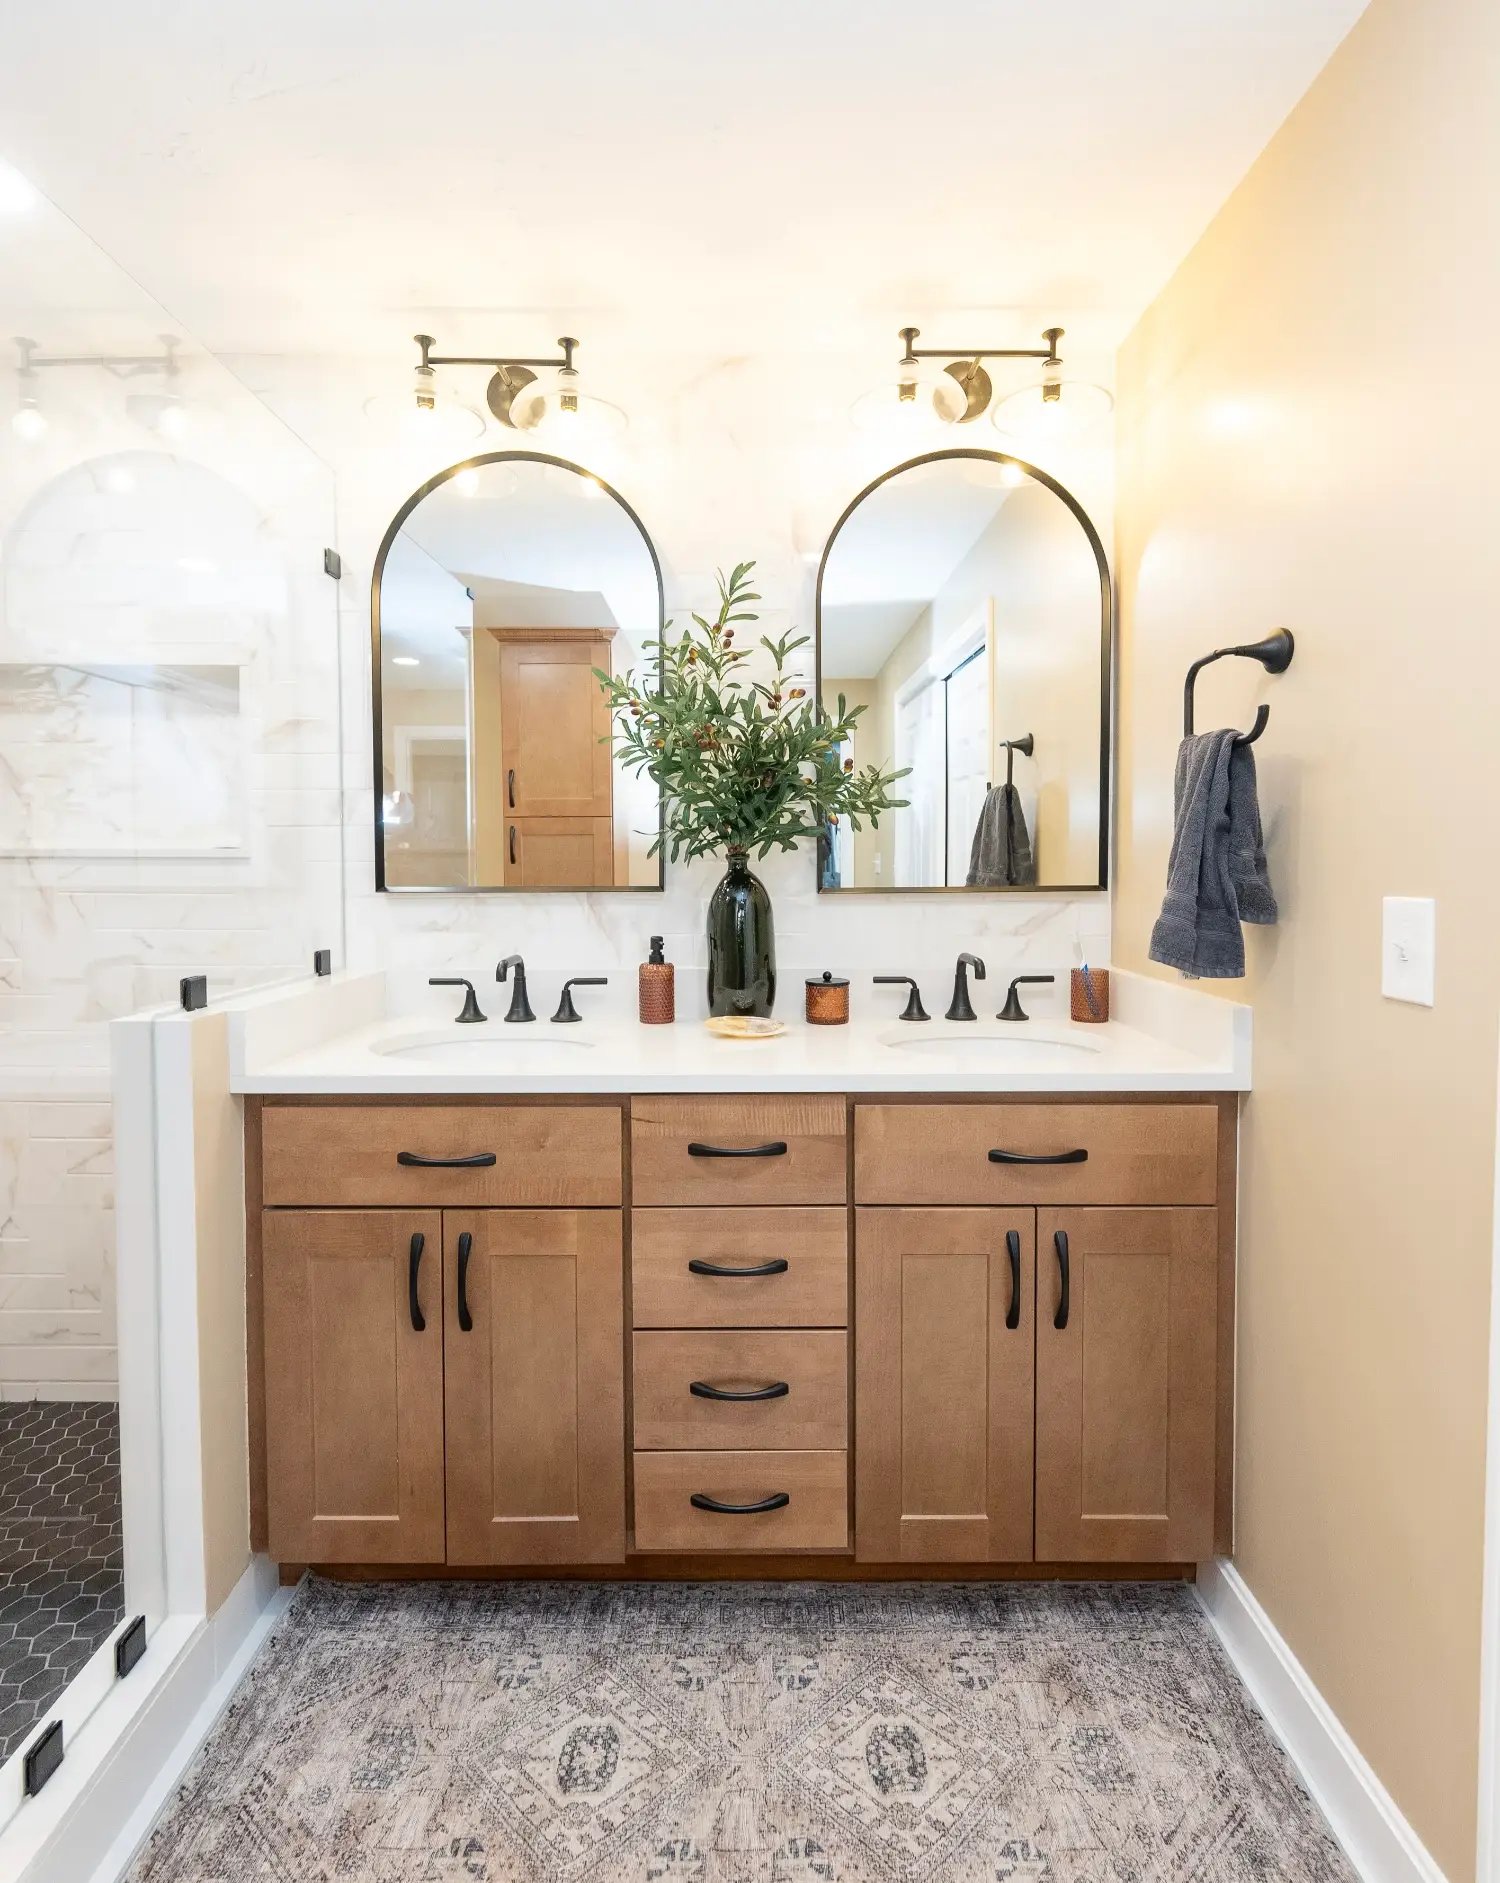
point(1216, 874)
point(1000, 855)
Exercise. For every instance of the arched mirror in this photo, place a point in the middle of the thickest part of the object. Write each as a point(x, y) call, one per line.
point(501, 586)
point(964, 601)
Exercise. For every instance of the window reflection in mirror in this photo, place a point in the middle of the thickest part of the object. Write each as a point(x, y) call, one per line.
point(964, 601)
point(498, 591)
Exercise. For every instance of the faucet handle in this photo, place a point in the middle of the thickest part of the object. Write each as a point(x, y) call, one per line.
point(565, 1008)
point(1012, 1009)
point(471, 1011)
point(914, 1010)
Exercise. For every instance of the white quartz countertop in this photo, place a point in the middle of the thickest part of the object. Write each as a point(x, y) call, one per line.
point(336, 1037)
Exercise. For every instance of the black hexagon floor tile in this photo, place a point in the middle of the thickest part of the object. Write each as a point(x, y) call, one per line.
point(61, 1591)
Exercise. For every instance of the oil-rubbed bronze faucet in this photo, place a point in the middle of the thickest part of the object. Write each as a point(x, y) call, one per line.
point(962, 1007)
point(520, 1006)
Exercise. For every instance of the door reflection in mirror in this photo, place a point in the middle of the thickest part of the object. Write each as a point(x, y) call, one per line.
point(964, 600)
point(501, 586)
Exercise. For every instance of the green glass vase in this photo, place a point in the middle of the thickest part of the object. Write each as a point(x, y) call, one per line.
point(741, 943)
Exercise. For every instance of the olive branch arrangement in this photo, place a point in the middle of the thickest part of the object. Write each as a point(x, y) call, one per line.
point(742, 764)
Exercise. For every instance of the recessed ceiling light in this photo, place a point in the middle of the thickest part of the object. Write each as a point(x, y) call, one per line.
point(405, 660)
point(466, 483)
point(119, 480)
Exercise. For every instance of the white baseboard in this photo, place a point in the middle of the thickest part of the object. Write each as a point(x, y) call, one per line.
point(122, 1768)
point(1363, 1816)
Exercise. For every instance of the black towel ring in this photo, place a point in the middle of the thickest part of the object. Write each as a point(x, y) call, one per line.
point(1025, 746)
point(1274, 654)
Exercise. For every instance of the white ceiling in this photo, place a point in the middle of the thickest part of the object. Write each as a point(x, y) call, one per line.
point(323, 175)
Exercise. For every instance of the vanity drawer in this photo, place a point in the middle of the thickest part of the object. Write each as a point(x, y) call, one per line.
point(738, 1150)
point(814, 1517)
point(811, 1414)
point(1133, 1154)
point(806, 1250)
point(543, 1156)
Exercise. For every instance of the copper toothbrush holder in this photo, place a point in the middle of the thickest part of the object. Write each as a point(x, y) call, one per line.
point(827, 1001)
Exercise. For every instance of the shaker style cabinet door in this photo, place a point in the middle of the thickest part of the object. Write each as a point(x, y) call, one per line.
point(534, 1386)
point(354, 1385)
point(1125, 1384)
point(944, 1313)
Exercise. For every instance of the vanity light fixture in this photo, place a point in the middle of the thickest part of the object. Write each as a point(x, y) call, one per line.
point(941, 385)
point(950, 386)
point(164, 412)
point(558, 406)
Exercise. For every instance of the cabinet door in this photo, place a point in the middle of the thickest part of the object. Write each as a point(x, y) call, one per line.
point(559, 852)
point(354, 1385)
point(944, 1384)
point(1125, 1385)
point(554, 727)
point(534, 1385)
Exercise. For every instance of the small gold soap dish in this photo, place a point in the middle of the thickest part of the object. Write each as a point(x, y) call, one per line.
point(744, 1026)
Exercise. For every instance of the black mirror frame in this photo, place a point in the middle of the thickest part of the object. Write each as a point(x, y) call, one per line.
point(377, 728)
point(1106, 676)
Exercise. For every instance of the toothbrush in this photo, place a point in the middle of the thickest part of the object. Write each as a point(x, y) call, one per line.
point(1088, 991)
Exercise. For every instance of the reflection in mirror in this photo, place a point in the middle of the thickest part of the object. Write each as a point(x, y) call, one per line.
point(964, 601)
point(499, 589)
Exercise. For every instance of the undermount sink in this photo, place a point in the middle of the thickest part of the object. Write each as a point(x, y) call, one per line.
point(961, 1039)
point(494, 1044)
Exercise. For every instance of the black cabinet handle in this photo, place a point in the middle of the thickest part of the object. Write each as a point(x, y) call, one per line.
point(1013, 1250)
point(465, 1250)
point(512, 843)
point(1051, 1157)
point(777, 1149)
point(413, 1268)
point(700, 1389)
point(481, 1160)
point(778, 1265)
point(778, 1500)
point(510, 787)
point(1060, 1243)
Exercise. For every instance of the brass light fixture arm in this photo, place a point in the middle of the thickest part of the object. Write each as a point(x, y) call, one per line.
point(122, 365)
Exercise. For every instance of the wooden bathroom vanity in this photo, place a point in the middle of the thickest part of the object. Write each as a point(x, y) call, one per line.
point(782, 1333)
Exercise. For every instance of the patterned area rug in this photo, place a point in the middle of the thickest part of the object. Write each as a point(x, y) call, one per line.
point(742, 1733)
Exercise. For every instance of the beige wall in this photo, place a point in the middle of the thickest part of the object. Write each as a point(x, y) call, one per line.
point(1308, 416)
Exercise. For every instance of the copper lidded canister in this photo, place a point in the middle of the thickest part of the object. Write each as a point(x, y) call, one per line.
point(827, 1000)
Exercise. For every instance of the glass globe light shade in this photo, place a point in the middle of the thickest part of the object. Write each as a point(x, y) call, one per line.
point(1052, 409)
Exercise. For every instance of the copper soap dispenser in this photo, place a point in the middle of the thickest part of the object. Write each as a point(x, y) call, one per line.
point(658, 987)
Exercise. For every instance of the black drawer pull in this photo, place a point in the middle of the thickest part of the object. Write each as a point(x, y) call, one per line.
point(1013, 1250)
point(481, 1160)
point(777, 1149)
point(510, 789)
point(778, 1265)
point(465, 1250)
point(778, 1500)
point(1060, 1243)
point(1052, 1157)
point(413, 1267)
point(700, 1389)
point(512, 843)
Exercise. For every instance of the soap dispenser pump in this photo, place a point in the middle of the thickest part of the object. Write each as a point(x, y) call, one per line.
point(658, 988)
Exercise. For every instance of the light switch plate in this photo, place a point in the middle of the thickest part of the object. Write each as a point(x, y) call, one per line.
point(1408, 948)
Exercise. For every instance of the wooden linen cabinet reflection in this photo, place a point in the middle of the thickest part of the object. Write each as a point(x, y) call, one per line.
point(543, 786)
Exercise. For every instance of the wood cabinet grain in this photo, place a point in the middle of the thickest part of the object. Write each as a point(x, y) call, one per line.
point(694, 1150)
point(944, 1384)
point(534, 1386)
point(810, 1415)
point(354, 1388)
point(802, 1256)
point(1125, 1389)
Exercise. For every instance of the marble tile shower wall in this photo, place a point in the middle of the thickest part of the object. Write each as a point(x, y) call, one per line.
point(170, 787)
